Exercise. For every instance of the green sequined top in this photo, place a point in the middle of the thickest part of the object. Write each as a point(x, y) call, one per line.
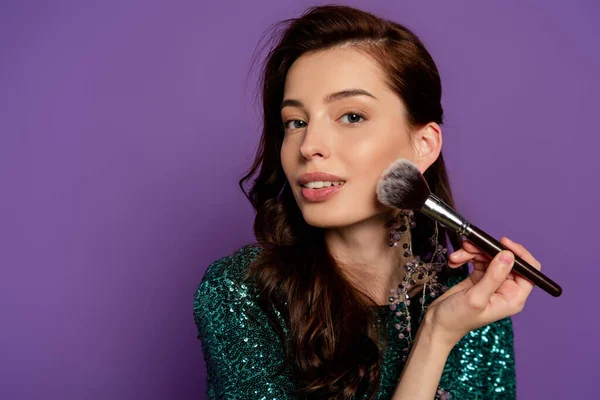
point(242, 351)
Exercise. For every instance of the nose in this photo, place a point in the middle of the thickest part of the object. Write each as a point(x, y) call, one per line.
point(315, 141)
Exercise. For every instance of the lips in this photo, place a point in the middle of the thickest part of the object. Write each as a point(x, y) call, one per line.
point(317, 195)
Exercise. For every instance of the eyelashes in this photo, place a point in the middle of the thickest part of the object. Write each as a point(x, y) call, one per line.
point(285, 124)
point(354, 116)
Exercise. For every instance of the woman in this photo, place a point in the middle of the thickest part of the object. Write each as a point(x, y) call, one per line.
point(320, 307)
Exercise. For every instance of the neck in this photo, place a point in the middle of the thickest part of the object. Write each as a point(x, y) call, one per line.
point(366, 259)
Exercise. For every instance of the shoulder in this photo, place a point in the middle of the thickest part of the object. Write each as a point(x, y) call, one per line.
point(229, 267)
point(223, 287)
point(243, 354)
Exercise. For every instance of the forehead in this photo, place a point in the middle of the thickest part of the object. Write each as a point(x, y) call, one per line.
point(317, 73)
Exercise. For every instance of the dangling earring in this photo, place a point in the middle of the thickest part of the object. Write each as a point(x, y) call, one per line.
point(398, 231)
point(400, 227)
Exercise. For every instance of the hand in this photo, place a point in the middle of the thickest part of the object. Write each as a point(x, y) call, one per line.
point(491, 292)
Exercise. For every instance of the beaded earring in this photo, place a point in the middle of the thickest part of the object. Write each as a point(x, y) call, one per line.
point(416, 267)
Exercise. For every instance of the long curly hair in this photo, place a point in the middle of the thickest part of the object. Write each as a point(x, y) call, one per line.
point(331, 346)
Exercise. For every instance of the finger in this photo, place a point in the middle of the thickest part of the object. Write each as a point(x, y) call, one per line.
point(475, 257)
point(481, 262)
point(524, 254)
point(462, 254)
point(461, 257)
point(471, 248)
point(494, 277)
point(520, 251)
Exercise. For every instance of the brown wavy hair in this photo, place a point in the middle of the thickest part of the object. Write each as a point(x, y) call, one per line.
point(332, 346)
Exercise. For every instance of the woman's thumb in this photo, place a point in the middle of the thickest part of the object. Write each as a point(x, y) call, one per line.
point(495, 274)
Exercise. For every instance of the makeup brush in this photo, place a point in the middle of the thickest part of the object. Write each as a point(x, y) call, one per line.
point(403, 186)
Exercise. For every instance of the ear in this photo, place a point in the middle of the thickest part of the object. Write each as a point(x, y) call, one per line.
point(427, 145)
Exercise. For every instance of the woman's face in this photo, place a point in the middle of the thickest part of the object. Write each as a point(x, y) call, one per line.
point(340, 118)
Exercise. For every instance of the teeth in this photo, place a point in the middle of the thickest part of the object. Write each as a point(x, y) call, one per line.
point(321, 184)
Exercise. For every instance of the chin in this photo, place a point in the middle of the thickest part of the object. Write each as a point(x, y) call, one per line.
point(327, 219)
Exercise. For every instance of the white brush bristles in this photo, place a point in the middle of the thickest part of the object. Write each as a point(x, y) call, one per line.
point(402, 186)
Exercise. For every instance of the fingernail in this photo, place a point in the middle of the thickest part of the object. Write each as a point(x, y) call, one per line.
point(506, 258)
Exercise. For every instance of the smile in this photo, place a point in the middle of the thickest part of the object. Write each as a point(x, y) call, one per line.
point(321, 184)
point(318, 192)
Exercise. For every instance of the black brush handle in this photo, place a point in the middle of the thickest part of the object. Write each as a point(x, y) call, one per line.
point(492, 247)
point(435, 208)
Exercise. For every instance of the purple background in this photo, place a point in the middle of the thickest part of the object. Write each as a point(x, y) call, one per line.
point(125, 125)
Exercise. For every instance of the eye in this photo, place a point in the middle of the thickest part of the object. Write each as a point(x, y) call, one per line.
point(296, 124)
point(354, 117)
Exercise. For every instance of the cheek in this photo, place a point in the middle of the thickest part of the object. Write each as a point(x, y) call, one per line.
point(287, 160)
point(370, 158)
point(374, 156)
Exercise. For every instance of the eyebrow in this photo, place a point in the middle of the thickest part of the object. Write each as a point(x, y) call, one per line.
point(329, 98)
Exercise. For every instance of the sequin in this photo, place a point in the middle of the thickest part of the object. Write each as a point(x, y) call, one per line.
point(242, 352)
